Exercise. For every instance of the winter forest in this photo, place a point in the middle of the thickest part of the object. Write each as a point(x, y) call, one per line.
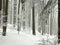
point(29, 22)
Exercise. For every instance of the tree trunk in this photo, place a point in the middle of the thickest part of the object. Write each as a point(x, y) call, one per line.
point(0, 4)
point(59, 20)
point(33, 20)
point(5, 12)
point(18, 17)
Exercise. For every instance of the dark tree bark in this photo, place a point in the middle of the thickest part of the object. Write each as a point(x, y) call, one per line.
point(18, 17)
point(0, 4)
point(23, 1)
point(5, 13)
point(18, 7)
point(59, 20)
point(33, 20)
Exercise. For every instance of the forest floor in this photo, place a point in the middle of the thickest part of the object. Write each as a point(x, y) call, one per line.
point(22, 38)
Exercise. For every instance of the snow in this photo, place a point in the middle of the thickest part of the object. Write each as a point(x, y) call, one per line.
point(15, 39)
point(50, 39)
point(59, 43)
point(23, 38)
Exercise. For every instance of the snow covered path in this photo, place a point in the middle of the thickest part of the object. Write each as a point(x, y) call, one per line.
point(23, 38)
point(12, 38)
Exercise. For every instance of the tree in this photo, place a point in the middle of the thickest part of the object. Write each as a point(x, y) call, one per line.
point(33, 20)
point(23, 1)
point(18, 16)
point(5, 13)
point(0, 4)
point(58, 21)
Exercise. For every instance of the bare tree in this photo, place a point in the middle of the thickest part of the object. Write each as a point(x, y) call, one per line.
point(0, 4)
point(18, 16)
point(5, 13)
point(33, 20)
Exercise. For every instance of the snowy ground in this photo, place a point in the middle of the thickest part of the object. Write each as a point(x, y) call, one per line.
point(13, 38)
